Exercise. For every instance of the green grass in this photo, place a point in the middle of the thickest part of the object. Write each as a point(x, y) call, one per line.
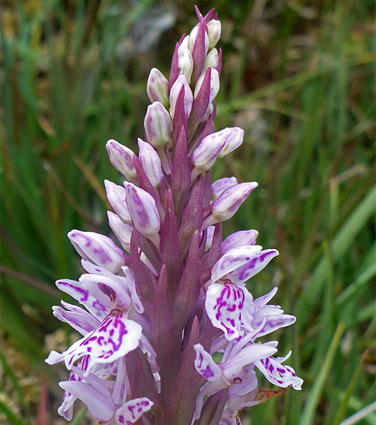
point(298, 76)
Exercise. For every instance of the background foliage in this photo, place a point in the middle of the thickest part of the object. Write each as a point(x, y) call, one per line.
point(297, 76)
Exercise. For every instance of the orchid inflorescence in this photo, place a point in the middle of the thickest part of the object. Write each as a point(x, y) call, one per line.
point(170, 330)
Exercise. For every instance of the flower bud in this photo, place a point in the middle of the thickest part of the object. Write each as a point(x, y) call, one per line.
point(143, 210)
point(184, 44)
point(208, 112)
point(234, 140)
point(185, 63)
point(220, 185)
point(122, 231)
point(214, 30)
point(228, 203)
point(98, 249)
point(157, 125)
point(207, 151)
point(241, 238)
point(157, 87)
point(209, 237)
point(214, 84)
point(121, 158)
point(150, 162)
point(116, 197)
point(193, 36)
point(188, 96)
point(211, 60)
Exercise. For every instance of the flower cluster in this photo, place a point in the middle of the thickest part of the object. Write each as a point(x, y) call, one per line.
point(161, 308)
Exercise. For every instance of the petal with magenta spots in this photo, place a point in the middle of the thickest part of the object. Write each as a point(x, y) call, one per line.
point(278, 374)
point(114, 338)
point(98, 308)
point(256, 262)
point(132, 410)
point(224, 304)
point(232, 260)
point(205, 365)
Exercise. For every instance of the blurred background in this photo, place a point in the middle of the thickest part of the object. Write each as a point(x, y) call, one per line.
point(298, 76)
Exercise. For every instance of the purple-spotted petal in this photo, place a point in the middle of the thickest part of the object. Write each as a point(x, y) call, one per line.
point(234, 367)
point(241, 263)
point(76, 317)
point(132, 410)
point(99, 308)
point(66, 408)
point(114, 338)
point(126, 283)
point(224, 304)
point(232, 260)
point(258, 261)
point(272, 323)
point(278, 374)
point(205, 365)
point(112, 288)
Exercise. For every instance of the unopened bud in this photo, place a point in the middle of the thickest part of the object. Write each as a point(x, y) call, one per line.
point(188, 96)
point(241, 238)
point(150, 162)
point(98, 249)
point(193, 36)
point(214, 84)
point(208, 112)
point(211, 60)
point(226, 205)
point(214, 30)
point(121, 158)
point(209, 237)
point(157, 87)
point(221, 185)
point(207, 152)
point(234, 140)
point(157, 125)
point(122, 231)
point(185, 63)
point(143, 211)
point(116, 197)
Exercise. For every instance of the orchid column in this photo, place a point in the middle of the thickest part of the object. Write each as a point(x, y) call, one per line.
point(174, 294)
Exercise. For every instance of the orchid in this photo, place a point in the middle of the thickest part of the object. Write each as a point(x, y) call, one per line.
point(170, 332)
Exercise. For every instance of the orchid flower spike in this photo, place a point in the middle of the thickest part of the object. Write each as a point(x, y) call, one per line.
point(164, 297)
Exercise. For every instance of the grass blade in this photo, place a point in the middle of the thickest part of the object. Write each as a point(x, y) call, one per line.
point(318, 385)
